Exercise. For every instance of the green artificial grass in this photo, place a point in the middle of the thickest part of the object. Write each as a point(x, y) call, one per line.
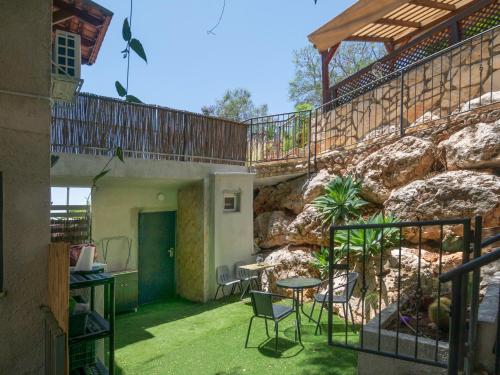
point(181, 337)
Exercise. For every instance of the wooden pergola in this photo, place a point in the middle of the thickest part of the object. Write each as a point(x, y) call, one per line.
point(392, 22)
point(86, 18)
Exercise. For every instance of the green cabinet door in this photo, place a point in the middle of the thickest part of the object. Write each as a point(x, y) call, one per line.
point(156, 256)
point(126, 291)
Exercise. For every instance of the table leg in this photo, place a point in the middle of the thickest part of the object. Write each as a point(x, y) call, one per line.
point(297, 315)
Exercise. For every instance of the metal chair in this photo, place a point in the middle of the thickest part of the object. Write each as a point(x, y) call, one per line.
point(343, 299)
point(224, 278)
point(263, 307)
point(245, 276)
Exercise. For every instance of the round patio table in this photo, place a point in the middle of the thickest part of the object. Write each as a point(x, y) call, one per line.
point(298, 284)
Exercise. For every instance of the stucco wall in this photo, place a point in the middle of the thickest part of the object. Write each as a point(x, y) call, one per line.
point(192, 256)
point(115, 212)
point(24, 161)
point(231, 232)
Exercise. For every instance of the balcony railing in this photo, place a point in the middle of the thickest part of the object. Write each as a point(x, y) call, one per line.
point(96, 125)
point(454, 80)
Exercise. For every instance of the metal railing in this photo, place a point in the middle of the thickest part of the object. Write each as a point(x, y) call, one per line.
point(463, 336)
point(395, 325)
point(394, 328)
point(430, 89)
point(279, 137)
point(454, 80)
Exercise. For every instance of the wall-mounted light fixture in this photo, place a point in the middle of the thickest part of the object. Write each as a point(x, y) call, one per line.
point(161, 197)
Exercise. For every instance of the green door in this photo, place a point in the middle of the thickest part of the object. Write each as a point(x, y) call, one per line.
point(156, 256)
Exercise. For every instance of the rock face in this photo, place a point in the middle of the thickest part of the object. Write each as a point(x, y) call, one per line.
point(476, 146)
point(488, 98)
point(270, 229)
point(394, 165)
point(290, 262)
point(447, 195)
point(304, 192)
point(427, 116)
point(306, 228)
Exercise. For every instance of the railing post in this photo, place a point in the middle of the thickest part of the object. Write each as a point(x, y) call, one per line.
point(309, 145)
point(330, 285)
point(457, 326)
point(251, 143)
point(401, 116)
point(315, 137)
point(474, 304)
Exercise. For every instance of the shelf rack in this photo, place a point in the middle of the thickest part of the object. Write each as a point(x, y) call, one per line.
point(98, 327)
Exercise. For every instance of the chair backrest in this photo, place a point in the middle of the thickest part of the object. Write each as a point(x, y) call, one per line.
point(262, 304)
point(222, 274)
point(352, 278)
point(241, 273)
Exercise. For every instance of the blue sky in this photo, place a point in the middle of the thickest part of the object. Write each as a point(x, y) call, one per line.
point(187, 68)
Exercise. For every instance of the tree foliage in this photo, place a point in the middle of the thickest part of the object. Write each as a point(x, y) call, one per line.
point(350, 57)
point(235, 105)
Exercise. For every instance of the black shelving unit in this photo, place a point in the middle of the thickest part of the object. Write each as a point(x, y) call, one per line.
point(98, 327)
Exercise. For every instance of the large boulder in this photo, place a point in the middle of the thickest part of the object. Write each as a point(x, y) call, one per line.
point(454, 194)
point(270, 229)
point(476, 146)
point(271, 198)
point(304, 192)
point(394, 165)
point(306, 228)
point(289, 261)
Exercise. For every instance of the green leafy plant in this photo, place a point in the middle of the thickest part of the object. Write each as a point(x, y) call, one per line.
point(369, 241)
point(132, 44)
point(320, 261)
point(340, 202)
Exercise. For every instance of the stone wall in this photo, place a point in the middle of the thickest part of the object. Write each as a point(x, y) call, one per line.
point(192, 243)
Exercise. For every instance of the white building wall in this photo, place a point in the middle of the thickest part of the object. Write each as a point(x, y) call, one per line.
point(231, 232)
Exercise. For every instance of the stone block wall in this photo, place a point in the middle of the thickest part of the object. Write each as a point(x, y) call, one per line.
point(192, 243)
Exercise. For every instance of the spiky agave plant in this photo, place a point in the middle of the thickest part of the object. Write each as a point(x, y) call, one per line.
point(340, 202)
point(369, 241)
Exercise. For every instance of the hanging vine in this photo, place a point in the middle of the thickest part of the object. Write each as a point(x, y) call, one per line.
point(132, 44)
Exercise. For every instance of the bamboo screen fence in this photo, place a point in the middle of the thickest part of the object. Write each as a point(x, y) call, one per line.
point(97, 125)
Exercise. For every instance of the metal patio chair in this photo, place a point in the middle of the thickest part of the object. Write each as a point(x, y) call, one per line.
point(246, 276)
point(224, 278)
point(343, 299)
point(263, 307)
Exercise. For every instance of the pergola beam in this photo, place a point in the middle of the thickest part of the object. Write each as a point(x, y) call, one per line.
point(434, 5)
point(368, 38)
point(403, 23)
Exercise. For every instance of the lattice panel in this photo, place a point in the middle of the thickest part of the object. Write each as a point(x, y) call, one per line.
point(385, 69)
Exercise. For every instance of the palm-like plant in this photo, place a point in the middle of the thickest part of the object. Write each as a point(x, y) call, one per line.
point(340, 202)
point(370, 241)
